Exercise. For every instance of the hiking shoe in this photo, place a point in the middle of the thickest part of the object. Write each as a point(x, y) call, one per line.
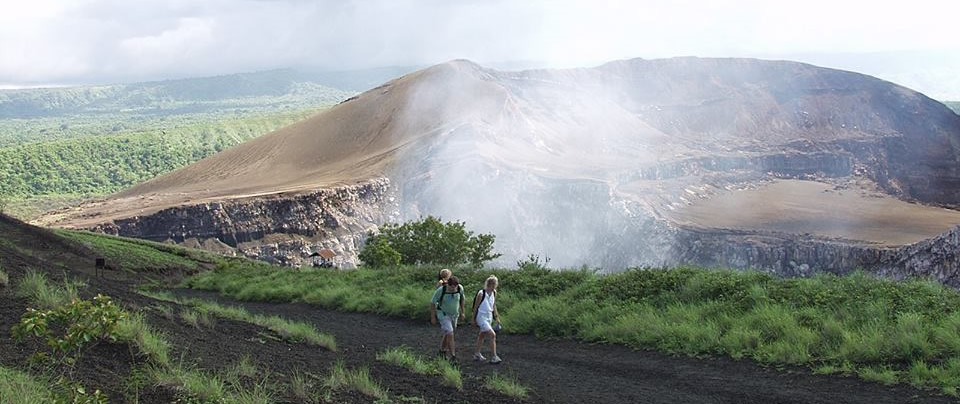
point(495, 360)
point(479, 357)
point(453, 359)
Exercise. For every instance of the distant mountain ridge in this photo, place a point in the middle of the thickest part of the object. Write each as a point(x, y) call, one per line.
point(270, 89)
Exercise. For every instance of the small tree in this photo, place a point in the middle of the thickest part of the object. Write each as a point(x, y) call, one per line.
point(378, 253)
point(428, 241)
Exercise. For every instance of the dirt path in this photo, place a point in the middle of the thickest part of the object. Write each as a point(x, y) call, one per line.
point(570, 372)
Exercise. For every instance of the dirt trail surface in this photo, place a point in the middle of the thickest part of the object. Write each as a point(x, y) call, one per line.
point(567, 371)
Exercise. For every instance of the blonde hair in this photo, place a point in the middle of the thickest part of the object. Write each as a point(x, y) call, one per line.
point(492, 282)
point(445, 274)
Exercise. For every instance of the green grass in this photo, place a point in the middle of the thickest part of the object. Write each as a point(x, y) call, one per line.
point(301, 387)
point(291, 330)
point(359, 380)
point(196, 384)
point(148, 341)
point(138, 255)
point(243, 368)
point(197, 319)
point(42, 294)
point(872, 327)
point(17, 387)
point(402, 356)
point(506, 386)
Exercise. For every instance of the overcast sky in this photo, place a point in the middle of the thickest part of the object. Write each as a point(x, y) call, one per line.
point(50, 42)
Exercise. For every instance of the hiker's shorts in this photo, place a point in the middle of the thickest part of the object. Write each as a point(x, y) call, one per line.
point(485, 321)
point(447, 323)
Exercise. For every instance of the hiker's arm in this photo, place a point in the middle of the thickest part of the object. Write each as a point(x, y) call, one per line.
point(433, 313)
point(496, 314)
point(476, 304)
point(463, 313)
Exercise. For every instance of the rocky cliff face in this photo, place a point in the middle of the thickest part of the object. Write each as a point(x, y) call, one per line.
point(791, 255)
point(284, 229)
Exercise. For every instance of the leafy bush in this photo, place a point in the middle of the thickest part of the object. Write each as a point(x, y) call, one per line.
point(82, 321)
point(378, 253)
point(428, 241)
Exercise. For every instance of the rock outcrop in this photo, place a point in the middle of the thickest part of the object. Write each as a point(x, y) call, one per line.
point(283, 229)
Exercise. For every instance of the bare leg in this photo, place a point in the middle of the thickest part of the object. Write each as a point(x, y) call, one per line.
point(479, 342)
point(493, 342)
point(453, 346)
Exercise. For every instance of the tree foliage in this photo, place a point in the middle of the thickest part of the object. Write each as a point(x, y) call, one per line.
point(428, 241)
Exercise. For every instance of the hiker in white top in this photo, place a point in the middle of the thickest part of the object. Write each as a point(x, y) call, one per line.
point(484, 315)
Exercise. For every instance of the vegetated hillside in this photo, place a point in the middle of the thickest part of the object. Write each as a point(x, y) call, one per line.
point(52, 153)
point(581, 165)
point(38, 176)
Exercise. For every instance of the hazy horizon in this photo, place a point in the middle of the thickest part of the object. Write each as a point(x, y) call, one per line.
point(53, 43)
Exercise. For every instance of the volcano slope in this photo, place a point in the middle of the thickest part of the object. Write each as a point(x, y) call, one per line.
point(562, 371)
point(625, 164)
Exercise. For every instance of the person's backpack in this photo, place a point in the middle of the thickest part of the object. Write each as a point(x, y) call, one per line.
point(443, 292)
point(483, 293)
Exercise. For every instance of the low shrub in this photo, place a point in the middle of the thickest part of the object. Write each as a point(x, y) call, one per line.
point(67, 329)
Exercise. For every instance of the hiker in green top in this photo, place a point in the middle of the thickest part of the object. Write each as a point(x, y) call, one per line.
point(446, 308)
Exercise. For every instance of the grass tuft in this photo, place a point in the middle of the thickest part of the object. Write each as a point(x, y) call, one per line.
point(359, 380)
point(288, 329)
point(17, 387)
point(506, 386)
point(150, 343)
point(190, 382)
point(301, 387)
point(402, 356)
point(243, 368)
point(42, 294)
